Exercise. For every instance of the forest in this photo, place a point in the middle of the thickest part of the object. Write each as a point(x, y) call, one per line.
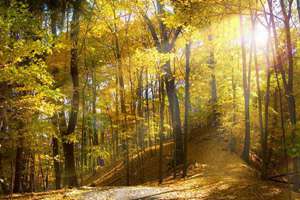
point(150, 99)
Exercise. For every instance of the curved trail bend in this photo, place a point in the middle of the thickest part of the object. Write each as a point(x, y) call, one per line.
point(218, 175)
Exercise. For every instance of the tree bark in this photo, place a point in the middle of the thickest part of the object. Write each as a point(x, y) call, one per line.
point(165, 45)
point(175, 114)
point(213, 84)
point(186, 105)
point(140, 109)
point(57, 171)
point(68, 146)
point(298, 9)
point(19, 167)
point(246, 89)
point(287, 84)
point(265, 136)
point(161, 128)
point(95, 134)
point(83, 126)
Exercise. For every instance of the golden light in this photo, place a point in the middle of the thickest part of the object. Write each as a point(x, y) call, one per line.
point(260, 36)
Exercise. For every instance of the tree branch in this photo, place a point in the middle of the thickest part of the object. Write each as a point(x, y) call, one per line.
point(152, 31)
point(173, 40)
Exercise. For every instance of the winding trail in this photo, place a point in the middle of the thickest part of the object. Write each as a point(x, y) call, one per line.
point(216, 175)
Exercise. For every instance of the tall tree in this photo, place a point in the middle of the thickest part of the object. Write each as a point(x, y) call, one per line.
point(165, 45)
point(161, 128)
point(287, 84)
point(246, 89)
point(186, 105)
point(213, 83)
point(68, 146)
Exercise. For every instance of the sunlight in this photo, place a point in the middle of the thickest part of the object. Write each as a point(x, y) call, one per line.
point(149, 99)
point(261, 37)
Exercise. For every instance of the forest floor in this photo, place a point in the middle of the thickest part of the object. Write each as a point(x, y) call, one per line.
point(216, 174)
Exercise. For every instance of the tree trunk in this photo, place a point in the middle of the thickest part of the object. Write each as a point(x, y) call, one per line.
point(289, 91)
point(3, 130)
point(127, 163)
point(83, 127)
point(56, 163)
point(55, 147)
point(95, 134)
point(186, 105)
point(55, 154)
point(161, 128)
point(140, 120)
point(246, 88)
point(147, 113)
point(267, 103)
point(165, 45)
point(68, 146)
point(263, 139)
point(213, 84)
point(19, 168)
point(257, 71)
point(298, 9)
point(175, 114)
point(118, 57)
point(288, 84)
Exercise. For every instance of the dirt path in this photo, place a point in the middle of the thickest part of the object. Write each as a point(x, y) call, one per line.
point(217, 174)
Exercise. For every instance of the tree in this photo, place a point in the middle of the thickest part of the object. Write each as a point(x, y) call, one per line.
point(68, 146)
point(165, 45)
point(186, 105)
point(29, 95)
point(246, 89)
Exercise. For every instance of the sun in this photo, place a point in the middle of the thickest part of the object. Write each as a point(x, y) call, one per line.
point(260, 36)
